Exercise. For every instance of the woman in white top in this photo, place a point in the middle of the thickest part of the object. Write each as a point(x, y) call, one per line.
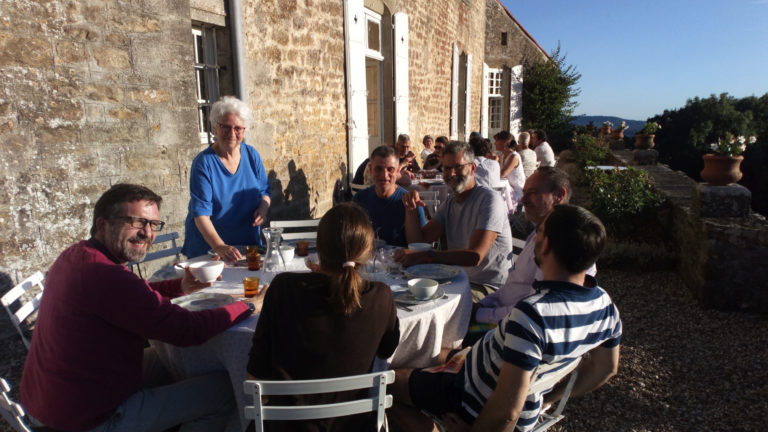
point(487, 171)
point(511, 168)
point(526, 154)
point(428, 142)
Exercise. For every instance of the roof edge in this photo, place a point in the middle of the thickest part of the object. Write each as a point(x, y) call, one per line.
point(509, 14)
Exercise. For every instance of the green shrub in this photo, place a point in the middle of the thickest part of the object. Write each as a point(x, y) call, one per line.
point(621, 195)
point(589, 151)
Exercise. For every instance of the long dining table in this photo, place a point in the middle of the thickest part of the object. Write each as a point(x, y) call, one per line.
point(424, 330)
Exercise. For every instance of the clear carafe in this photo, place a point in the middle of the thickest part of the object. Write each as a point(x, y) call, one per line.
point(274, 254)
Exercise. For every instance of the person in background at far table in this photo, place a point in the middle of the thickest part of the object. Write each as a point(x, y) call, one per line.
point(383, 202)
point(408, 164)
point(363, 174)
point(473, 220)
point(511, 169)
point(429, 143)
point(544, 153)
point(229, 193)
point(528, 156)
point(488, 171)
point(326, 324)
point(87, 368)
point(544, 189)
point(434, 161)
point(570, 316)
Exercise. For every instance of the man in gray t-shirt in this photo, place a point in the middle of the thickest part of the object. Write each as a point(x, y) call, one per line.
point(473, 220)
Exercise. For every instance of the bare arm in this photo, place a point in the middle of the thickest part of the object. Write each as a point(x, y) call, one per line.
point(479, 245)
point(260, 215)
point(505, 404)
point(509, 165)
point(226, 252)
point(596, 368)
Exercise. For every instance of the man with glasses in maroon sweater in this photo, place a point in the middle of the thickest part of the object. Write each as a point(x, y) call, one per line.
point(87, 367)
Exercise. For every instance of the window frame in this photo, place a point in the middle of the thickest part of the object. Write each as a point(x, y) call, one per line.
point(207, 92)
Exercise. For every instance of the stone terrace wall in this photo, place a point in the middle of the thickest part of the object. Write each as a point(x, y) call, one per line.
point(721, 259)
point(91, 93)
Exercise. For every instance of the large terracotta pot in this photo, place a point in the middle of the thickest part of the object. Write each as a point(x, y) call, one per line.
point(605, 130)
point(617, 134)
point(643, 141)
point(721, 170)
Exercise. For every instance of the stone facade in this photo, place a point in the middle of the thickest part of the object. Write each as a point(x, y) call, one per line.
point(520, 47)
point(93, 93)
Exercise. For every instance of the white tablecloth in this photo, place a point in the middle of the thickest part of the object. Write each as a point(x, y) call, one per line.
point(423, 332)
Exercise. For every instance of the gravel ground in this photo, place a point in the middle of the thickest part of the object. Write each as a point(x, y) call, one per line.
point(682, 368)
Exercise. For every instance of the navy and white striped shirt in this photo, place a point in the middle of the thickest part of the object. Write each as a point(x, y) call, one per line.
point(558, 324)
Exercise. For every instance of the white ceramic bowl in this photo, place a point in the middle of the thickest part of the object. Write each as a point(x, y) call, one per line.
point(420, 246)
point(422, 288)
point(288, 252)
point(206, 271)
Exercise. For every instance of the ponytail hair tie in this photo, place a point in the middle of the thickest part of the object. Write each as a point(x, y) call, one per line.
point(348, 264)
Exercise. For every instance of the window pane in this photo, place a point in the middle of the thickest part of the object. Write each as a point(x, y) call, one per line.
point(373, 36)
point(494, 113)
point(198, 48)
point(201, 92)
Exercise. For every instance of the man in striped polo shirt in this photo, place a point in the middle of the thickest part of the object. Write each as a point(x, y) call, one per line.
point(567, 317)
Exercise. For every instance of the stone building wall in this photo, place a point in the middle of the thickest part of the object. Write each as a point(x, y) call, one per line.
point(520, 47)
point(91, 93)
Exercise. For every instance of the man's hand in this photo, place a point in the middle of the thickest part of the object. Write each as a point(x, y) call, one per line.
point(312, 266)
point(412, 200)
point(408, 257)
point(190, 284)
point(258, 300)
point(454, 423)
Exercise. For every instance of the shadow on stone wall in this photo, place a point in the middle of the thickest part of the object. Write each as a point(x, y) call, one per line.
point(341, 192)
point(293, 202)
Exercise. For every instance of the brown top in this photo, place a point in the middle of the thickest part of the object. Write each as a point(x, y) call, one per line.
point(300, 336)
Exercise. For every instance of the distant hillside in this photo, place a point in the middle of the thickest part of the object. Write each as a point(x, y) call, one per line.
point(634, 125)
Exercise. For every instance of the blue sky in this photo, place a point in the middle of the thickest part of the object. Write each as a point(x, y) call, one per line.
point(638, 58)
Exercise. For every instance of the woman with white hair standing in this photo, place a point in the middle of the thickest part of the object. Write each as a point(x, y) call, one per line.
point(228, 187)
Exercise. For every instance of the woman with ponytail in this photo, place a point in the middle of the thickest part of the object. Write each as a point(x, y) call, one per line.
point(328, 323)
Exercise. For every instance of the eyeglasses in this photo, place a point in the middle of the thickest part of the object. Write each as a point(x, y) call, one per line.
point(140, 223)
point(228, 128)
point(455, 167)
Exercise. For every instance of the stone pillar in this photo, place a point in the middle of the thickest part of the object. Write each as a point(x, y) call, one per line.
point(721, 201)
point(645, 157)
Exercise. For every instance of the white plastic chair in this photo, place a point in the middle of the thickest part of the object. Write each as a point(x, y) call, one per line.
point(28, 303)
point(296, 235)
point(12, 412)
point(164, 253)
point(355, 188)
point(378, 402)
point(551, 374)
point(548, 376)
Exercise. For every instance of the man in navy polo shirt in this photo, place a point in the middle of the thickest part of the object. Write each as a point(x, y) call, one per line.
point(384, 200)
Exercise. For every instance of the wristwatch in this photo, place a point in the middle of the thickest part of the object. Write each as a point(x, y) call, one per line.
point(430, 256)
point(251, 306)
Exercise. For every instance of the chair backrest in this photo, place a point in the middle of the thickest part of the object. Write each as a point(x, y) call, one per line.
point(355, 188)
point(309, 233)
point(159, 254)
point(27, 303)
point(378, 401)
point(548, 376)
point(12, 412)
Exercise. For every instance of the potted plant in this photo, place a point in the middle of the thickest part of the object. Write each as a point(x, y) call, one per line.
point(606, 128)
point(644, 138)
point(722, 167)
point(618, 133)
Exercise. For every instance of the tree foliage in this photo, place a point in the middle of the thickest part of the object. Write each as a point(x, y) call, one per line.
point(549, 92)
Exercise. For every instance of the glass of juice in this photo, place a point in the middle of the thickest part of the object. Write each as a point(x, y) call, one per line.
point(250, 286)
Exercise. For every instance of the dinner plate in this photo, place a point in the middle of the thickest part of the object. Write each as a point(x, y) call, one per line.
point(431, 181)
point(203, 301)
point(431, 271)
point(407, 298)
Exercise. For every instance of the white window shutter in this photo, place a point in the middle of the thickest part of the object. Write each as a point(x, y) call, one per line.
point(357, 107)
point(468, 100)
point(402, 116)
point(455, 94)
point(516, 100)
point(484, 103)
